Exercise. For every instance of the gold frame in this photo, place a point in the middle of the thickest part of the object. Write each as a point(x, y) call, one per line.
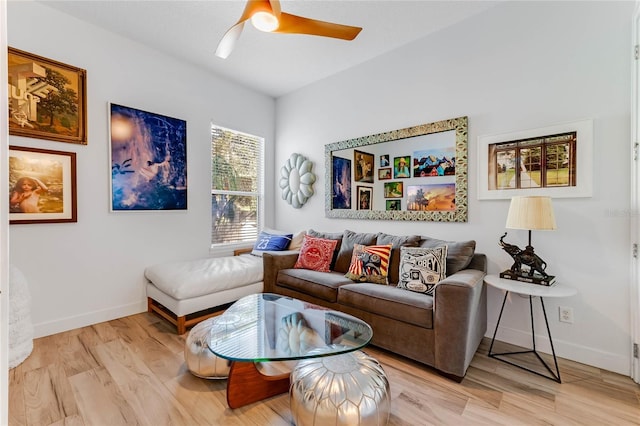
point(28, 97)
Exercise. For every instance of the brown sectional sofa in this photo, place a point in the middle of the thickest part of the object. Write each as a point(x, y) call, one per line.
point(442, 331)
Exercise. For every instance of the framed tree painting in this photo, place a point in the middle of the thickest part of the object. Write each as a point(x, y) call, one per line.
point(42, 186)
point(432, 197)
point(47, 99)
point(148, 160)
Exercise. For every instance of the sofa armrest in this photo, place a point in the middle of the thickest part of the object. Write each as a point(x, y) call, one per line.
point(460, 320)
point(274, 262)
point(479, 262)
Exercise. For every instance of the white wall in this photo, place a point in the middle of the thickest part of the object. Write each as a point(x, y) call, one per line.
point(517, 66)
point(4, 227)
point(92, 270)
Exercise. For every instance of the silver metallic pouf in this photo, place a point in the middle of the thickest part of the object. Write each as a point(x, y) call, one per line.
point(200, 360)
point(348, 389)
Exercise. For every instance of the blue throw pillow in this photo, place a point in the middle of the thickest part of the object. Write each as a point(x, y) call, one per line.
point(271, 242)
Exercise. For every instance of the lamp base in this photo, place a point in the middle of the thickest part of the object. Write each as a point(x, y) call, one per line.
point(535, 279)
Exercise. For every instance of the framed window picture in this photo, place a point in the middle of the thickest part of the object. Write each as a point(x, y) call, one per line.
point(554, 161)
point(42, 186)
point(148, 160)
point(47, 99)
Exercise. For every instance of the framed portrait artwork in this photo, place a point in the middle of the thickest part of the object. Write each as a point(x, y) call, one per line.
point(42, 186)
point(363, 166)
point(47, 99)
point(401, 168)
point(148, 160)
point(365, 197)
point(554, 161)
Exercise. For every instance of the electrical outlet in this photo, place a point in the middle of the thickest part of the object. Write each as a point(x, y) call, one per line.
point(566, 314)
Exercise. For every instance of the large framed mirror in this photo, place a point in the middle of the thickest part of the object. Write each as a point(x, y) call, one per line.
point(416, 173)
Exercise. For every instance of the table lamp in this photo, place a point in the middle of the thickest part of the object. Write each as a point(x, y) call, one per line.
point(529, 213)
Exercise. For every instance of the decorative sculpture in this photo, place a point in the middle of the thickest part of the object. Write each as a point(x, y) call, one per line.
point(296, 180)
point(535, 271)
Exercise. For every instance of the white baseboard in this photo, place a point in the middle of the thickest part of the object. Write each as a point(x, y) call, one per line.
point(69, 323)
point(582, 354)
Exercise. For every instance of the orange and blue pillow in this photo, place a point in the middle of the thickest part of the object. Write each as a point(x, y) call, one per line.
point(370, 263)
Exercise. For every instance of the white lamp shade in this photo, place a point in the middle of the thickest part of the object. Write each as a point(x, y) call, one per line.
point(531, 213)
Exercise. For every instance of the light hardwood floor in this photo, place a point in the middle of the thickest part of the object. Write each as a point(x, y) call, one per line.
point(131, 371)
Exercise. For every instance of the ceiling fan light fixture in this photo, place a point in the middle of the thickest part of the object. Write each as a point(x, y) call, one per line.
point(265, 21)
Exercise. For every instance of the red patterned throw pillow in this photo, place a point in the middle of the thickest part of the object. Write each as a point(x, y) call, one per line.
point(370, 264)
point(316, 254)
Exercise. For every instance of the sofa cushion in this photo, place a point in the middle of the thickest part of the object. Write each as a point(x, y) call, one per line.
point(272, 242)
point(329, 236)
point(390, 302)
point(369, 264)
point(422, 268)
point(294, 243)
point(396, 241)
point(323, 285)
point(459, 253)
point(349, 239)
point(315, 254)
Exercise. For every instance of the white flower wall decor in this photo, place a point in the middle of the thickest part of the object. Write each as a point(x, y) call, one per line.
point(296, 180)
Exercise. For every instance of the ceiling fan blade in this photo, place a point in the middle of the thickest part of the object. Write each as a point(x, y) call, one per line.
point(293, 24)
point(228, 42)
point(275, 7)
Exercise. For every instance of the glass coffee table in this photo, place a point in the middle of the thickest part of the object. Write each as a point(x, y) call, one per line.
point(269, 327)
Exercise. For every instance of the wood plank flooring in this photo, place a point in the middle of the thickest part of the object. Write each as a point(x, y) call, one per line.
point(131, 371)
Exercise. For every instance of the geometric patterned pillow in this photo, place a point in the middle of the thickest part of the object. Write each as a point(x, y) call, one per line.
point(370, 263)
point(315, 254)
point(421, 268)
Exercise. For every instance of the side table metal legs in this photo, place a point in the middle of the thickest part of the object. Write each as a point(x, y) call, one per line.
point(554, 375)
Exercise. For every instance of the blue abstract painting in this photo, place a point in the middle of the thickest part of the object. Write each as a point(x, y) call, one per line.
point(341, 196)
point(148, 160)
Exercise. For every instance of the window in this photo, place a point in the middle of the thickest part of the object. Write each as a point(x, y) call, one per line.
point(237, 188)
point(548, 161)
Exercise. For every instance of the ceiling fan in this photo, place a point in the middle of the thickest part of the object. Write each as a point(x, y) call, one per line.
point(266, 16)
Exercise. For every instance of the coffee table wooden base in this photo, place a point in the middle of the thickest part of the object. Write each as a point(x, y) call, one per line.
point(247, 385)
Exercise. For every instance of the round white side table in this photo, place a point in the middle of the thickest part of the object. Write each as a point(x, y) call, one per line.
point(531, 290)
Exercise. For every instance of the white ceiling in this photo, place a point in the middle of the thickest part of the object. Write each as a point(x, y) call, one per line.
point(274, 64)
